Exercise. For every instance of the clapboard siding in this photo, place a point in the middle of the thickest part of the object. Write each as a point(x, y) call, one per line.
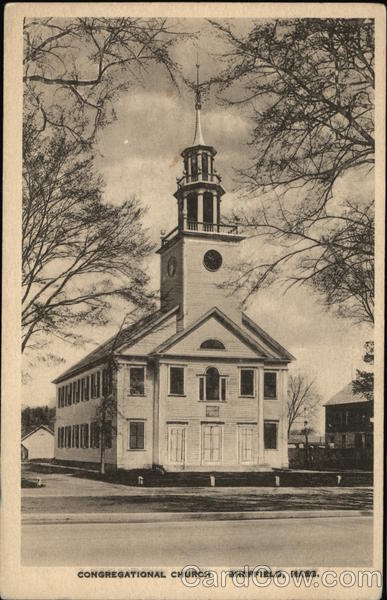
point(210, 329)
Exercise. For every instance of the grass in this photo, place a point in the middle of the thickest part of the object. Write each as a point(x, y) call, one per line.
point(209, 500)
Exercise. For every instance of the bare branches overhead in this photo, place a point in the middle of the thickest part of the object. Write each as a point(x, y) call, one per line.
point(309, 87)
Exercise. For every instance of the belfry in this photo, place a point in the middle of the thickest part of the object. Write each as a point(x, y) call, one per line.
point(198, 385)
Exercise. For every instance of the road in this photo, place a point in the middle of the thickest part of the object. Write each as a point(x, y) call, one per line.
point(316, 542)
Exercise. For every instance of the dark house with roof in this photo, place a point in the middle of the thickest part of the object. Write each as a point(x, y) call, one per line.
point(348, 420)
point(199, 385)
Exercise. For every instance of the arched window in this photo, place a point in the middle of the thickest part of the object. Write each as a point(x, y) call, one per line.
point(212, 384)
point(212, 345)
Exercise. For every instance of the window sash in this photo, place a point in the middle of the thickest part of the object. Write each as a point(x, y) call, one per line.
point(270, 385)
point(136, 435)
point(137, 381)
point(176, 381)
point(270, 435)
point(247, 383)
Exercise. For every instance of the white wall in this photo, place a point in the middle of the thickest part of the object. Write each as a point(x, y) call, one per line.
point(40, 444)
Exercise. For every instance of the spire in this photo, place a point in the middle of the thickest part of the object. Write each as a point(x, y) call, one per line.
point(198, 137)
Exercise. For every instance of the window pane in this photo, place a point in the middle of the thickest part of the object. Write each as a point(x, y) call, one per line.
point(201, 388)
point(176, 380)
point(136, 435)
point(223, 388)
point(270, 385)
point(212, 384)
point(247, 382)
point(98, 385)
point(137, 381)
point(270, 435)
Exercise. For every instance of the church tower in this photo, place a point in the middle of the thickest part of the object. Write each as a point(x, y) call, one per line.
point(197, 256)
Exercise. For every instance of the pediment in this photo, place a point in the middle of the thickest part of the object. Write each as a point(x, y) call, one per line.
point(214, 325)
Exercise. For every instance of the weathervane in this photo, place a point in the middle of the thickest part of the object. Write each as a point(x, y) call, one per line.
point(198, 99)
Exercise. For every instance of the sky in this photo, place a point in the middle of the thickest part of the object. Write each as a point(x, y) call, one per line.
point(139, 154)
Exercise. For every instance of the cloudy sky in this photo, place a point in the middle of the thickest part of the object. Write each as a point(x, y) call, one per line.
point(140, 154)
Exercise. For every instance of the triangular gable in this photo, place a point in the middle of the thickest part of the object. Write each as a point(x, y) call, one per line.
point(271, 346)
point(213, 324)
point(27, 435)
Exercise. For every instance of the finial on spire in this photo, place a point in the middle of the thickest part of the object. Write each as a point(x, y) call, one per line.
point(198, 137)
point(198, 99)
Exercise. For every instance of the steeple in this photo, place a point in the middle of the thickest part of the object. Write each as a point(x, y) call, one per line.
point(198, 137)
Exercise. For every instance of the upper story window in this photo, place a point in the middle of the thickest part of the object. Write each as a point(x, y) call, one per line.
point(212, 344)
point(270, 385)
point(205, 166)
point(176, 381)
point(137, 381)
point(247, 387)
point(95, 384)
point(107, 383)
point(212, 386)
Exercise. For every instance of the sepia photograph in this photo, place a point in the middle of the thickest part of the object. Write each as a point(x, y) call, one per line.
point(194, 405)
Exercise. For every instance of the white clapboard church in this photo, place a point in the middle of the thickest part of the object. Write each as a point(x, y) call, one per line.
point(199, 385)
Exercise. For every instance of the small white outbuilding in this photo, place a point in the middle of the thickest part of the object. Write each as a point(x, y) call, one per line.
point(39, 443)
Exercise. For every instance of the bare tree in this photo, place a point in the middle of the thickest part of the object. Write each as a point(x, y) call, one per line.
point(364, 382)
point(303, 398)
point(78, 251)
point(75, 69)
point(309, 85)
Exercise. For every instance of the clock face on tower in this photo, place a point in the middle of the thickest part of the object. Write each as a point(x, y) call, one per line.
point(172, 266)
point(212, 260)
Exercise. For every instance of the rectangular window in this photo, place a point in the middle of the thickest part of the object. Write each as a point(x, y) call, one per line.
point(78, 392)
point(84, 435)
point(223, 389)
point(270, 385)
point(93, 386)
point(98, 384)
point(94, 435)
point(247, 382)
point(270, 435)
point(75, 436)
point(59, 428)
point(212, 444)
point(69, 394)
point(176, 381)
point(137, 381)
point(74, 392)
point(246, 438)
point(87, 387)
point(68, 436)
point(63, 394)
point(104, 382)
point(62, 436)
point(82, 389)
point(136, 435)
point(201, 388)
point(58, 394)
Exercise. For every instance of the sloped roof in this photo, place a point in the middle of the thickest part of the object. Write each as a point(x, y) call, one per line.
point(242, 334)
point(278, 350)
point(346, 396)
point(128, 335)
point(36, 429)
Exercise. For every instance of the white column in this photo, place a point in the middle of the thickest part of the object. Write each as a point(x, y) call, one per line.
point(185, 210)
point(284, 427)
point(214, 208)
point(261, 450)
point(200, 210)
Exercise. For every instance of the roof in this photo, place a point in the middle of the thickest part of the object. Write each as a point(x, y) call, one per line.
point(346, 396)
point(36, 429)
point(226, 321)
point(127, 336)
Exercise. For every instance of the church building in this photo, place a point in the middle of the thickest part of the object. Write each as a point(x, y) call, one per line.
point(197, 385)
